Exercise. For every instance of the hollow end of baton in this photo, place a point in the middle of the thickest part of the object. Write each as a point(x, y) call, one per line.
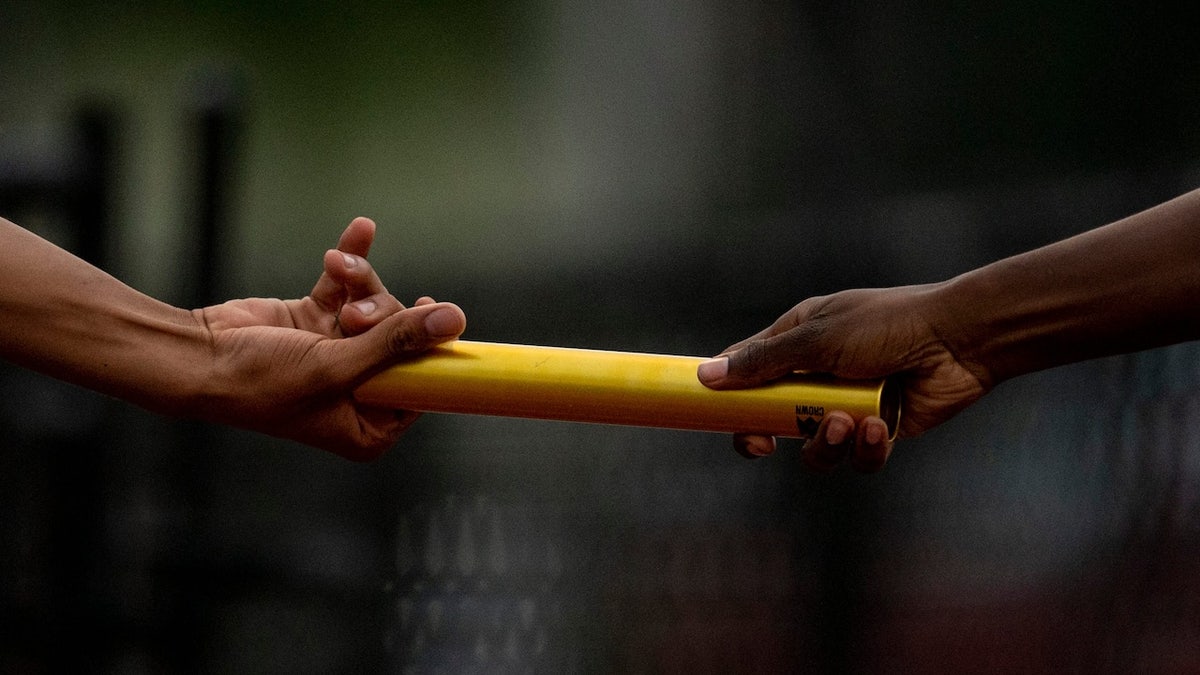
point(890, 397)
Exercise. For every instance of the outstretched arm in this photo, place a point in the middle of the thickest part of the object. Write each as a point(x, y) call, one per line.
point(285, 368)
point(1127, 286)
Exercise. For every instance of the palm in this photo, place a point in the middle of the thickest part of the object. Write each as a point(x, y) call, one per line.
point(296, 379)
point(936, 392)
point(305, 315)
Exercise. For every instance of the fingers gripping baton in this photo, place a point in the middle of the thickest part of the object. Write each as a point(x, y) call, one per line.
point(625, 388)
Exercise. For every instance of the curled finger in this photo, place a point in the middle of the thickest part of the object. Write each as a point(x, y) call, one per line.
point(832, 443)
point(872, 446)
point(358, 316)
point(358, 277)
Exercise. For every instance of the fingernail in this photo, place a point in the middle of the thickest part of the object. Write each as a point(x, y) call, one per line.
point(351, 261)
point(837, 431)
point(713, 370)
point(442, 322)
point(366, 306)
point(875, 433)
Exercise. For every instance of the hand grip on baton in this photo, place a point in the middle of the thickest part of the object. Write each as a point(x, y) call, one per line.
point(624, 388)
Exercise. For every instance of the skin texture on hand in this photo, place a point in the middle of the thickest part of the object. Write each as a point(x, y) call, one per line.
point(858, 334)
point(1127, 286)
point(283, 367)
point(289, 367)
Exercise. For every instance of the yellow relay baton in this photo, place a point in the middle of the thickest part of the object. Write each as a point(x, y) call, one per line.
point(610, 387)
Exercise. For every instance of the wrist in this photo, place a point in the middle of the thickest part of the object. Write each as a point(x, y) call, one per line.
point(952, 309)
point(200, 387)
point(1019, 315)
point(173, 371)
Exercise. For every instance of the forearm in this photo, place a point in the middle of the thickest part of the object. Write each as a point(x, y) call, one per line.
point(1128, 286)
point(70, 320)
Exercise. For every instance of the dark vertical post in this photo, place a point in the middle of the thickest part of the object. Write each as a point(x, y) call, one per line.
point(76, 455)
point(213, 123)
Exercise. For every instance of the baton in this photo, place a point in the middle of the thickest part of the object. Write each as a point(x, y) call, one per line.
point(612, 387)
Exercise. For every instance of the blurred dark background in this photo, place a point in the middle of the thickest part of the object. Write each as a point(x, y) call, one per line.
point(663, 177)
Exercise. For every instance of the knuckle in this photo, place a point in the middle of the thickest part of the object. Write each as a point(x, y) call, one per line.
point(809, 345)
point(406, 336)
point(807, 335)
point(755, 357)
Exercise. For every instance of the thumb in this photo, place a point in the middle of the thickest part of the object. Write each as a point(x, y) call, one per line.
point(407, 333)
point(764, 358)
